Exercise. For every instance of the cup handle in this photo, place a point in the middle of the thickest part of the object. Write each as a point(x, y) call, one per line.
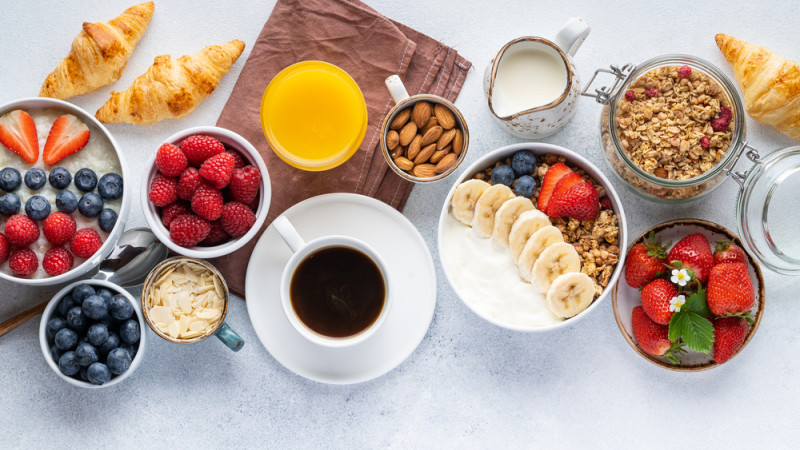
point(229, 337)
point(396, 88)
point(572, 35)
point(288, 233)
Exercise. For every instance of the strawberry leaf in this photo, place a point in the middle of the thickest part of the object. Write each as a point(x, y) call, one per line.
point(695, 331)
point(697, 303)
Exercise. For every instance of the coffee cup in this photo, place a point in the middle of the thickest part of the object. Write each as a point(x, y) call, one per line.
point(334, 289)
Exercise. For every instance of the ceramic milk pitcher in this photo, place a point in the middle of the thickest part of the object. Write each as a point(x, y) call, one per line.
point(532, 84)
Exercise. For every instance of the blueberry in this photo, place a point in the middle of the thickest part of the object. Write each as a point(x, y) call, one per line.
point(98, 373)
point(60, 178)
point(118, 360)
point(75, 318)
point(35, 178)
point(10, 179)
point(54, 325)
point(106, 294)
point(121, 308)
point(502, 175)
point(523, 162)
point(108, 321)
point(37, 207)
point(66, 339)
point(525, 186)
point(82, 291)
point(84, 373)
point(107, 220)
point(129, 331)
point(83, 339)
point(97, 334)
point(86, 354)
point(66, 202)
point(90, 204)
point(9, 204)
point(131, 348)
point(110, 186)
point(65, 304)
point(110, 344)
point(94, 307)
point(85, 180)
point(56, 353)
point(68, 363)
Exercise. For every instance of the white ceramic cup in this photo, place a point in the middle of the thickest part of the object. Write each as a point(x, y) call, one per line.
point(303, 249)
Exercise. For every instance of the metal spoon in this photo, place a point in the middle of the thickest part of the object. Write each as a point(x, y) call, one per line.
point(136, 253)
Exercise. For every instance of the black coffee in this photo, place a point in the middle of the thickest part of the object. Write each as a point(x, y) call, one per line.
point(337, 291)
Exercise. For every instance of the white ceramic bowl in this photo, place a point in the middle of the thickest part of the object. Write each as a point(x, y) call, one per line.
point(246, 149)
point(48, 313)
point(538, 149)
point(41, 103)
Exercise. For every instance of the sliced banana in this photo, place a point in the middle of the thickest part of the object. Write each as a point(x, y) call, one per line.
point(570, 294)
point(555, 260)
point(464, 199)
point(506, 217)
point(536, 244)
point(486, 208)
point(527, 223)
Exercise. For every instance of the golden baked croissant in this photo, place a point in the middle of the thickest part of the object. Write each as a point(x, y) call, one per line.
point(171, 89)
point(771, 84)
point(99, 54)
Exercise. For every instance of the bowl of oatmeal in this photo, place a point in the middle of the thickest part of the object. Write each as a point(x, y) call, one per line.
point(517, 271)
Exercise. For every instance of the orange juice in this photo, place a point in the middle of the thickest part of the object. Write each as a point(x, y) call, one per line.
point(313, 115)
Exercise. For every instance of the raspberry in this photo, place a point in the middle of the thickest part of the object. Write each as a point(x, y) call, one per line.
point(170, 160)
point(170, 212)
point(245, 183)
point(207, 203)
point(21, 231)
point(720, 124)
point(237, 158)
point(23, 262)
point(725, 113)
point(59, 228)
point(218, 169)
point(652, 92)
point(56, 261)
point(5, 248)
point(216, 235)
point(188, 230)
point(188, 183)
point(684, 71)
point(605, 203)
point(630, 96)
point(85, 243)
point(163, 190)
point(199, 148)
point(705, 142)
point(237, 219)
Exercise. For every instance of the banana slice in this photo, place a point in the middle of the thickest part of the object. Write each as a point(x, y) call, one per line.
point(464, 199)
point(555, 260)
point(486, 208)
point(536, 244)
point(527, 223)
point(570, 294)
point(506, 216)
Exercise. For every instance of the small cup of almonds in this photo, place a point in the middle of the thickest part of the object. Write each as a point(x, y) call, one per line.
point(424, 137)
point(185, 300)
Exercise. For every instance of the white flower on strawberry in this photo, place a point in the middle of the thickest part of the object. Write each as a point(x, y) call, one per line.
point(680, 277)
point(676, 303)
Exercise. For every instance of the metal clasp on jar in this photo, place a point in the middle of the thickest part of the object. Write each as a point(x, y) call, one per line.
point(752, 155)
point(604, 94)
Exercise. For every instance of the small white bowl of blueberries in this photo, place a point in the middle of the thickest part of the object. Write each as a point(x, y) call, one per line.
point(91, 334)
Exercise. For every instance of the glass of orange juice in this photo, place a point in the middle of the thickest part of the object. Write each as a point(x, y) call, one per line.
point(313, 115)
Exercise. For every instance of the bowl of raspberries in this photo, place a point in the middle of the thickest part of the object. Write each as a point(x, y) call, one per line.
point(207, 192)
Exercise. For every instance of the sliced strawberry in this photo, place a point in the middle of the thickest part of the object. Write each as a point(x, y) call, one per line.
point(551, 178)
point(67, 136)
point(18, 133)
point(563, 185)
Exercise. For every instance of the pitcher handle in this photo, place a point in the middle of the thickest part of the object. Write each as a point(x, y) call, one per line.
point(572, 35)
point(396, 88)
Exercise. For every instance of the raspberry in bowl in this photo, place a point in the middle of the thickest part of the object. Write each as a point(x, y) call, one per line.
point(207, 192)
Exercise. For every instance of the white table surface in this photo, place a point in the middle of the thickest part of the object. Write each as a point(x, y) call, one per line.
point(469, 384)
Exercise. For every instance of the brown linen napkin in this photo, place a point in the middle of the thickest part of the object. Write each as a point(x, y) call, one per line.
point(369, 47)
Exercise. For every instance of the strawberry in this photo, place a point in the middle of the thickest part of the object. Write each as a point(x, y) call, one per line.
point(237, 158)
point(23, 262)
point(645, 262)
point(170, 160)
point(730, 290)
point(218, 169)
point(18, 133)
point(57, 260)
point(199, 148)
point(579, 202)
point(693, 252)
point(5, 248)
point(189, 181)
point(729, 335)
point(163, 190)
point(58, 228)
point(216, 235)
point(551, 177)
point(188, 230)
point(207, 202)
point(21, 231)
point(245, 183)
point(653, 338)
point(656, 297)
point(85, 243)
point(170, 212)
point(68, 135)
point(237, 219)
point(728, 252)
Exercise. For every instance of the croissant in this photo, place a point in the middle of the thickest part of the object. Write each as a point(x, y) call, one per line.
point(99, 54)
point(771, 84)
point(171, 89)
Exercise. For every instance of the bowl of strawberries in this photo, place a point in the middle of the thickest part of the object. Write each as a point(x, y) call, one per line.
point(207, 192)
point(690, 297)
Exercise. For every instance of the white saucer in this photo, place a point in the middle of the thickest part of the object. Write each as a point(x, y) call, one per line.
point(412, 277)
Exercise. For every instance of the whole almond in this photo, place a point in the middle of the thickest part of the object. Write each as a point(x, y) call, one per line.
point(444, 116)
point(400, 119)
point(445, 163)
point(458, 142)
point(398, 151)
point(414, 147)
point(437, 156)
point(425, 154)
point(432, 135)
point(424, 170)
point(421, 113)
point(392, 139)
point(445, 138)
point(404, 163)
point(407, 133)
point(432, 122)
